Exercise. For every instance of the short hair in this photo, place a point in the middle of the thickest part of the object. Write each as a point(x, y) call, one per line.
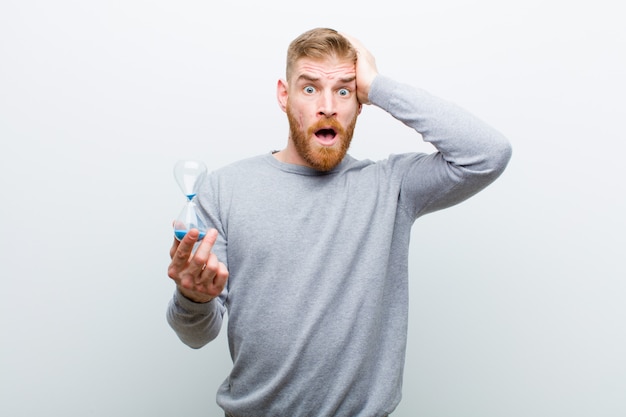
point(319, 43)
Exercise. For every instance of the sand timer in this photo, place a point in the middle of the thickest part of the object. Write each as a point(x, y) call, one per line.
point(189, 175)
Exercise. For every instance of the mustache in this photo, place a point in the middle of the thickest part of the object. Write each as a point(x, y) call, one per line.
point(327, 123)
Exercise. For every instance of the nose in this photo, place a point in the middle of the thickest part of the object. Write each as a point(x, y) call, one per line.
point(327, 105)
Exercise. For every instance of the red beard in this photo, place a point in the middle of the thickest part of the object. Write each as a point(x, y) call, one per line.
point(322, 158)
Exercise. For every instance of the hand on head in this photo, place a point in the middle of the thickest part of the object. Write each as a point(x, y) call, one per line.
point(366, 69)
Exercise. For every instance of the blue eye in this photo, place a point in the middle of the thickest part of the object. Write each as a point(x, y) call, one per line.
point(309, 89)
point(344, 92)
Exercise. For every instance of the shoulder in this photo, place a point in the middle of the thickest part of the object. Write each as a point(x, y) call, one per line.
point(393, 163)
point(238, 168)
point(252, 161)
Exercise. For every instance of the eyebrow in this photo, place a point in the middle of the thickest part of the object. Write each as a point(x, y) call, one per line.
point(348, 79)
point(309, 77)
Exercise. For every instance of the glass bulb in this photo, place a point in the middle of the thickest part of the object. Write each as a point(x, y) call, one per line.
point(189, 174)
point(189, 218)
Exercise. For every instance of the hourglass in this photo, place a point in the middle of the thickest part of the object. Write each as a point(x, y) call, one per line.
point(189, 175)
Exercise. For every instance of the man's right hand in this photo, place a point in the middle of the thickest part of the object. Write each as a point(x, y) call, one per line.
point(200, 276)
point(366, 69)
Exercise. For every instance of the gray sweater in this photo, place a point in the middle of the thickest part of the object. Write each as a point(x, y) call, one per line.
point(317, 298)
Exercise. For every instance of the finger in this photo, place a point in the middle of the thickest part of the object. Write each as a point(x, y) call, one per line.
point(366, 69)
point(199, 260)
point(355, 42)
point(184, 249)
point(209, 270)
point(174, 247)
point(213, 279)
point(219, 282)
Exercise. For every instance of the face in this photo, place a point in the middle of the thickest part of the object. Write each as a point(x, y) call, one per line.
point(322, 109)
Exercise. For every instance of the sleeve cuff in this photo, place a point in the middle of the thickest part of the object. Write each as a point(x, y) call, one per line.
point(192, 306)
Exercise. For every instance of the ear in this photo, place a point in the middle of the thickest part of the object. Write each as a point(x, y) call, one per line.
point(282, 93)
point(360, 108)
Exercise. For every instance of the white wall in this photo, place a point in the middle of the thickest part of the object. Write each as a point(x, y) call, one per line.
point(517, 295)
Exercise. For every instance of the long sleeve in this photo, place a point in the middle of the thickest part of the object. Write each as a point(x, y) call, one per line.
point(470, 153)
point(196, 324)
point(320, 310)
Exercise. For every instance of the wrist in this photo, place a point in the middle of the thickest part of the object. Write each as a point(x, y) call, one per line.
point(195, 296)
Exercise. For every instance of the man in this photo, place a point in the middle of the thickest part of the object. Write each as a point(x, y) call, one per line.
point(308, 250)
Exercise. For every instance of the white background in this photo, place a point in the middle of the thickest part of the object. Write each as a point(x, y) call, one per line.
point(517, 295)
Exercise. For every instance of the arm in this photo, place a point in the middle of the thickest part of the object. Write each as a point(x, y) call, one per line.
point(470, 156)
point(196, 310)
point(470, 153)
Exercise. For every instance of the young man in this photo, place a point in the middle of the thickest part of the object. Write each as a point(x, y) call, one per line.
point(309, 247)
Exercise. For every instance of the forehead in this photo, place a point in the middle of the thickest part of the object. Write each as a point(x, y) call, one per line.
point(329, 68)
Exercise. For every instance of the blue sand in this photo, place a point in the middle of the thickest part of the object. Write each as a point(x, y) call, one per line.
point(180, 234)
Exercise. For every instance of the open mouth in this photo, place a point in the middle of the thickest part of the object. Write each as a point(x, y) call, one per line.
point(326, 136)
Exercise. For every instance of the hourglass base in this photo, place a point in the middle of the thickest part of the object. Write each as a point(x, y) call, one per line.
point(180, 234)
